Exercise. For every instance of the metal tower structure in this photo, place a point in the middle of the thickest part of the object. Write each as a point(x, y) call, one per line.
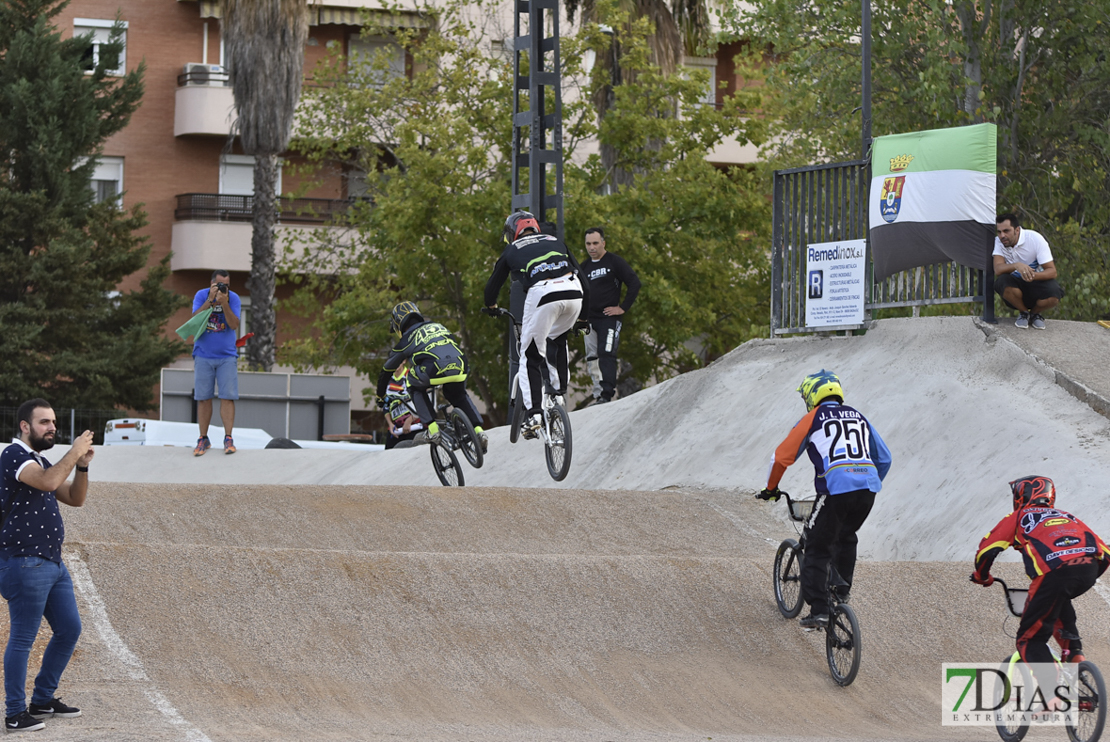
point(537, 134)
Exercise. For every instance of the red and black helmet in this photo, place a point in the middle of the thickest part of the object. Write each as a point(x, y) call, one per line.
point(1033, 490)
point(517, 222)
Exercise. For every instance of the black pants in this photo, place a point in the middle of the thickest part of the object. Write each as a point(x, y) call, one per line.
point(831, 541)
point(601, 346)
point(455, 393)
point(1049, 612)
point(1031, 291)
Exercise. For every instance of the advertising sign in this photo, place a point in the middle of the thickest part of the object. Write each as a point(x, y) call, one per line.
point(836, 274)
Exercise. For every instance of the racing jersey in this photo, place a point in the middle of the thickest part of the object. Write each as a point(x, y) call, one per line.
point(846, 452)
point(398, 401)
point(1047, 539)
point(433, 353)
point(534, 258)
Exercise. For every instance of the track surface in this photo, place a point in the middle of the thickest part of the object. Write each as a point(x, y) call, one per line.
point(315, 611)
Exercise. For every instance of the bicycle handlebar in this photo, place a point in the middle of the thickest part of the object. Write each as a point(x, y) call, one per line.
point(497, 312)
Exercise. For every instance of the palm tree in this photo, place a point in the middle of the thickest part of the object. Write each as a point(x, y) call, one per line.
point(264, 42)
point(681, 27)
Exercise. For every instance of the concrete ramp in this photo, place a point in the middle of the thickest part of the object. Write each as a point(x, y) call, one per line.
point(374, 613)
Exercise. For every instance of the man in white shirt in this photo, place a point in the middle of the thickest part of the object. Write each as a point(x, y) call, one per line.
point(1025, 274)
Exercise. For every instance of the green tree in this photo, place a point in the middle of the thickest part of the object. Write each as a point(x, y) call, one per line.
point(265, 42)
point(68, 335)
point(437, 146)
point(1038, 70)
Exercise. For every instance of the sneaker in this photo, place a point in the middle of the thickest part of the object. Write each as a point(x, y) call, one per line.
point(433, 433)
point(55, 708)
point(815, 621)
point(229, 444)
point(22, 722)
point(843, 596)
point(203, 444)
point(1022, 321)
point(603, 400)
point(1037, 321)
point(483, 439)
point(530, 430)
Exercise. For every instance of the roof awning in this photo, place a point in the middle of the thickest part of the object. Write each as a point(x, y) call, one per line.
point(320, 15)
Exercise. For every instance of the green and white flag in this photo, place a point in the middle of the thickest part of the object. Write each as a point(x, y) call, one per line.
point(933, 198)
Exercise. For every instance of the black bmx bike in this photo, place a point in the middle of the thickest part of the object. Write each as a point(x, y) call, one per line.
point(456, 433)
point(842, 635)
point(1090, 714)
point(555, 430)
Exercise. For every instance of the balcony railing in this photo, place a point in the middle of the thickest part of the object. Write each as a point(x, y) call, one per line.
point(221, 207)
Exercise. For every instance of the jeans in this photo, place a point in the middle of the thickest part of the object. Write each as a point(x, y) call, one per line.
point(37, 588)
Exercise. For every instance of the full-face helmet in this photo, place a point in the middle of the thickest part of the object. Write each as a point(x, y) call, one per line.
point(820, 386)
point(517, 222)
point(1033, 490)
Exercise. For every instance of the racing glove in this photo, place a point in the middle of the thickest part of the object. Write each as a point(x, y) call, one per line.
point(985, 582)
point(772, 494)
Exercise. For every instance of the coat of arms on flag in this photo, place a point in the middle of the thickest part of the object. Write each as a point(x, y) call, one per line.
point(890, 199)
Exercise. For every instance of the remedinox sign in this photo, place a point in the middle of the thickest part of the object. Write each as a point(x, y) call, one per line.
point(835, 281)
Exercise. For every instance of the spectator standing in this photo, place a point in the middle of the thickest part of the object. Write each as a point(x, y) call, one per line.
point(606, 273)
point(216, 358)
point(1025, 273)
point(33, 578)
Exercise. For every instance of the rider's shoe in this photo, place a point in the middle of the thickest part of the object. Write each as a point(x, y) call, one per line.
point(433, 433)
point(815, 621)
point(483, 439)
point(530, 430)
point(843, 595)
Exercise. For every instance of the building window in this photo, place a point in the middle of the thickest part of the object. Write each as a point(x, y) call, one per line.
point(237, 175)
point(107, 179)
point(101, 32)
point(363, 54)
point(709, 97)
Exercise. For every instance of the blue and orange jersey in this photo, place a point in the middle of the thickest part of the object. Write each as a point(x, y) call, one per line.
point(846, 452)
point(1047, 539)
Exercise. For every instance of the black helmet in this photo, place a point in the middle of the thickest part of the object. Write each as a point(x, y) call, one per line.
point(400, 315)
point(1033, 490)
point(517, 222)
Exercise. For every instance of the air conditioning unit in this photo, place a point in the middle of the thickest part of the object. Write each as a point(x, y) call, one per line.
point(211, 75)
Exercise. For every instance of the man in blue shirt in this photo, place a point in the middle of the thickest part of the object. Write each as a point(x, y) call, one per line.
point(33, 578)
point(216, 358)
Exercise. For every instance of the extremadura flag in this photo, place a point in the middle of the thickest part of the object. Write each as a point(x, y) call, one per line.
point(933, 198)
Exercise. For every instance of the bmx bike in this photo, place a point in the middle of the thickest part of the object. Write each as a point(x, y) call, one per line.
point(456, 433)
point(555, 430)
point(1084, 675)
point(842, 635)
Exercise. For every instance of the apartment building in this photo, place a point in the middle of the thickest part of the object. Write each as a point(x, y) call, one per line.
point(175, 157)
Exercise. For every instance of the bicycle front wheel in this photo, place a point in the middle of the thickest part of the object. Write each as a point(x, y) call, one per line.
point(516, 417)
point(1011, 723)
point(558, 444)
point(842, 644)
point(467, 439)
point(788, 578)
point(1091, 717)
point(446, 465)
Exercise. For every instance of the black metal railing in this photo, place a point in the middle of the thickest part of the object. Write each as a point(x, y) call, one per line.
point(71, 423)
point(222, 207)
point(204, 78)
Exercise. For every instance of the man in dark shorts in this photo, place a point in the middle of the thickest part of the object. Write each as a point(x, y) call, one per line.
point(1025, 273)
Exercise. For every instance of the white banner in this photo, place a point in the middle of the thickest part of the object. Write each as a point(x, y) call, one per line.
point(836, 274)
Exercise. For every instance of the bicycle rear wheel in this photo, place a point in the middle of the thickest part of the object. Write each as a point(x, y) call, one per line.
point(1092, 704)
point(558, 444)
point(446, 465)
point(467, 439)
point(788, 578)
point(1011, 724)
point(842, 644)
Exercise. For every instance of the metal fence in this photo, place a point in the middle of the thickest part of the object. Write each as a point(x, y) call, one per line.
point(71, 423)
point(223, 207)
point(828, 203)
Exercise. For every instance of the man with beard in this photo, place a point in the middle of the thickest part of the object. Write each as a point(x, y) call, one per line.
point(33, 578)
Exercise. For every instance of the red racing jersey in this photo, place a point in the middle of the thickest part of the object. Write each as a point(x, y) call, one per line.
point(1047, 539)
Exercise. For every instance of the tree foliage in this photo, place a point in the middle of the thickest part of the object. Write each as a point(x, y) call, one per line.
point(1038, 70)
point(437, 146)
point(67, 335)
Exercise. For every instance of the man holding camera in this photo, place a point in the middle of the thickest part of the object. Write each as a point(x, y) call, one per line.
point(215, 359)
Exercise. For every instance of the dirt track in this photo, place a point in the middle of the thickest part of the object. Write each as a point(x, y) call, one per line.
point(374, 613)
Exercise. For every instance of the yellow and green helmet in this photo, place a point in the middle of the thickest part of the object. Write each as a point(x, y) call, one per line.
point(820, 386)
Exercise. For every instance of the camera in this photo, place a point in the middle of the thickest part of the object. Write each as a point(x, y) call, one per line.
point(221, 287)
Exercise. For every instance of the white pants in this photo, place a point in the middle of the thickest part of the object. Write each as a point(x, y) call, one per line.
point(546, 318)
